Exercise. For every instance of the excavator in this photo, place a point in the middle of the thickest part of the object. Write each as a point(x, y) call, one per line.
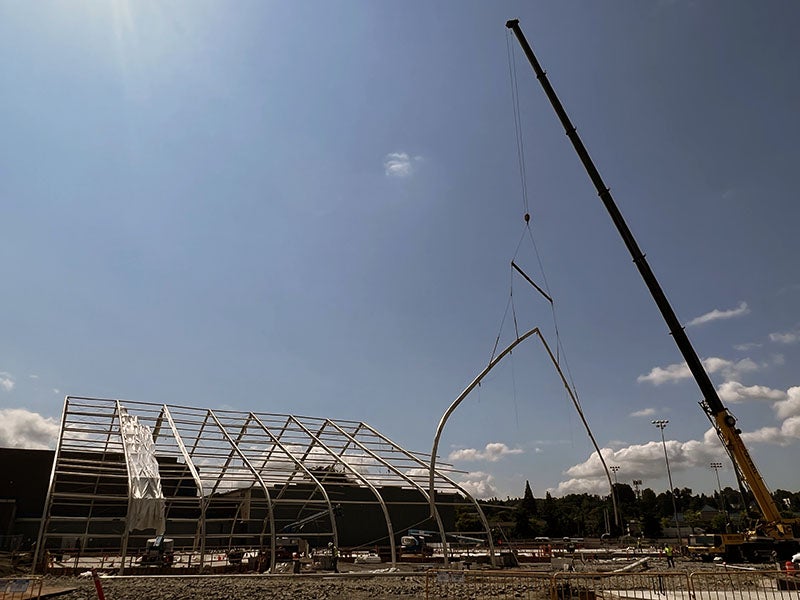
point(772, 536)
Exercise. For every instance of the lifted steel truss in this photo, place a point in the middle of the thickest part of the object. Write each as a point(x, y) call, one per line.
point(223, 479)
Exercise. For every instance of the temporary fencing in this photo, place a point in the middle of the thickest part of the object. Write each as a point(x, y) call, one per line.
point(712, 585)
point(20, 588)
point(745, 585)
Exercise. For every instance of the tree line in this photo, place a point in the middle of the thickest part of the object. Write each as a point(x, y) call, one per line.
point(642, 513)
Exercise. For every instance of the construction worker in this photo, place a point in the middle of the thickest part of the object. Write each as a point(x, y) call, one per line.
point(670, 559)
point(334, 557)
point(295, 562)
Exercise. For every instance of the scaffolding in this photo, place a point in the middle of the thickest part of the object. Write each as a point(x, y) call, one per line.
point(126, 472)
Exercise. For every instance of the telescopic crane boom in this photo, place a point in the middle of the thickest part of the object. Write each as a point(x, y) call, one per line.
point(774, 525)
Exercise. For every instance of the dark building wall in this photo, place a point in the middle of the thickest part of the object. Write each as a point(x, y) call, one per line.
point(24, 478)
point(360, 522)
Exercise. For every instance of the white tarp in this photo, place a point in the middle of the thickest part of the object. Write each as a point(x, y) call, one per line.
point(146, 507)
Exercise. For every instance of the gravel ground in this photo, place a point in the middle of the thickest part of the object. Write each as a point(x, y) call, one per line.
point(346, 586)
point(298, 587)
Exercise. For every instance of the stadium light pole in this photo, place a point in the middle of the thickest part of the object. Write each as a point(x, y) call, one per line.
point(614, 468)
point(636, 484)
point(661, 424)
point(717, 466)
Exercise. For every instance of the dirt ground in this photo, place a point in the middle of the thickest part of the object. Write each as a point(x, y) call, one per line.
point(357, 583)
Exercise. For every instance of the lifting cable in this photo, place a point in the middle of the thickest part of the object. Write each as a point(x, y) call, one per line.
point(512, 72)
point(544, 290)
point(502, 322)
point(509, 304)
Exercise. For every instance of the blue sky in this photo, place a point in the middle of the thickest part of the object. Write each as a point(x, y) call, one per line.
point(311, 208)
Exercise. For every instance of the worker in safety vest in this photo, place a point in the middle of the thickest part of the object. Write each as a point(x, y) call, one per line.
point(668, 553)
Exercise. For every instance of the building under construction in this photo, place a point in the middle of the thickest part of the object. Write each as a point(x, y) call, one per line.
point(127, 472)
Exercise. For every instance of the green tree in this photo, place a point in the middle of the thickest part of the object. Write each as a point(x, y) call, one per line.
point(526, 525)
point(625, 494)
point(651, 526)
point(467, 519)
point(650, 517)
point(718, 523)
point(648, 499)
point(528, 501)
point(692, 519)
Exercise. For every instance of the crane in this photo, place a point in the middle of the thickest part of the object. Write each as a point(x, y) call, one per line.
point(779, 531)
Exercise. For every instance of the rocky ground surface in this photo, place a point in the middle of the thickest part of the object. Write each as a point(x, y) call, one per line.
point(298, 587)
point(359, 582)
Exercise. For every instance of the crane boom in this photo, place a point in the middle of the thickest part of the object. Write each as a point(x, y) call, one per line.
point(775, 526)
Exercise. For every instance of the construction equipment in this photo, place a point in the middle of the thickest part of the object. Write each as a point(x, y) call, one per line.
point(159, 552)
point(731, 547)
point(416, 542)
point(420, 541)
point(772, 530)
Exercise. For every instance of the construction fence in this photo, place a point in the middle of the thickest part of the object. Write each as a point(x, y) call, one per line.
point(706, 585)
point(20, 588)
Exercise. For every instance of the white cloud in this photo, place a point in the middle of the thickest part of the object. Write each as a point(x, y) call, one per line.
point(493, 452)
point(6, 381)
point(645, 461)
point(20, 428)
point(659, 375)
point(786, 337)
point(617, 443)
point(580, 486)
point(790, 407)
point(399, 164)
point(418, 473)
point(479, 485)
point(645, 412)
point(717, 315)
point(734, 392)
point(787, 433)
point(747, 346)
point(791, 427)
point(728, 368)
point(679, 371)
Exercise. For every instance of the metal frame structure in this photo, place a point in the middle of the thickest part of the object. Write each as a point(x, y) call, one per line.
point(475, 382)
point(233, 479)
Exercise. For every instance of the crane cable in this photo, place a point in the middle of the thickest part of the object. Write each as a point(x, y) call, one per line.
point(527, 230)
point(512, 72)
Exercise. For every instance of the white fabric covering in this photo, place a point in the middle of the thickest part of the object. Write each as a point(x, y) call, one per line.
point(146, 507)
